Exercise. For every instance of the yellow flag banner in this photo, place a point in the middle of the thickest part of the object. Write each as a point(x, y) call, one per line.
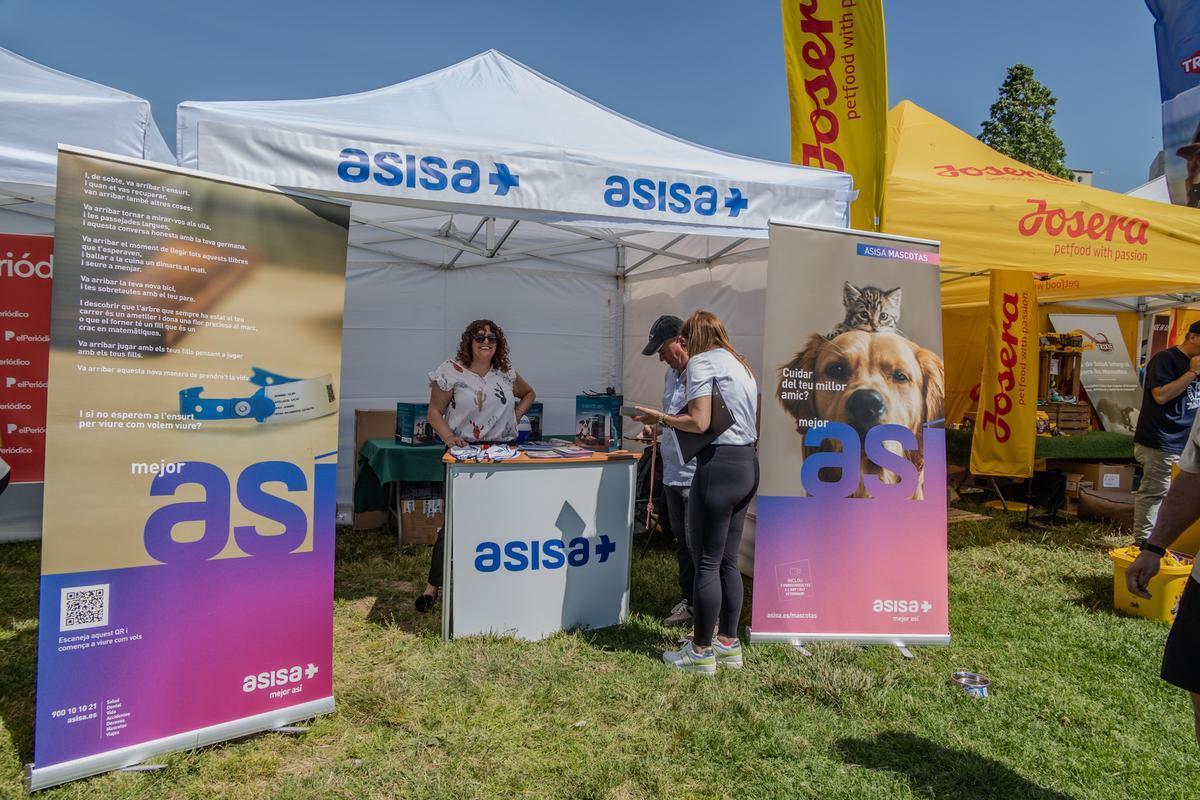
point(837, 84)
point(1006, 423)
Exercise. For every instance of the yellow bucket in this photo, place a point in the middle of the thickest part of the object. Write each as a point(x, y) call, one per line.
point(1165, 587)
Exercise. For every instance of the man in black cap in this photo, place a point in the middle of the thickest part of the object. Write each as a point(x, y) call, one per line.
point(1170, 399)
point(671, 349)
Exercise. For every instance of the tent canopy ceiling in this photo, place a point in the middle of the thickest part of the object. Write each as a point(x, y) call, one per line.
point(440, 168)
point(43, 108)
point(992, 212)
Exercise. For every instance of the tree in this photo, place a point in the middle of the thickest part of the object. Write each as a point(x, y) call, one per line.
point(1020, 124)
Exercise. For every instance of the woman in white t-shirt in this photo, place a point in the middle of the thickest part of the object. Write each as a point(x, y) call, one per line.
point(725, 481)
point(476, 396)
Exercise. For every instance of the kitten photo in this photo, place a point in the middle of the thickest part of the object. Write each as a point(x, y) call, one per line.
point(869, 308)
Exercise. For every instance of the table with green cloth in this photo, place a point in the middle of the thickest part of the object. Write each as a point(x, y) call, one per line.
point(381, 461)
point(1091, 446)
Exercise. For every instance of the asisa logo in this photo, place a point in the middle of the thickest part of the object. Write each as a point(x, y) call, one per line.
point(433, 173)
point(518, 555)
point(676, 197)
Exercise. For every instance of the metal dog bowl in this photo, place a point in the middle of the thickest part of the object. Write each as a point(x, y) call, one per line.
point(972, 683)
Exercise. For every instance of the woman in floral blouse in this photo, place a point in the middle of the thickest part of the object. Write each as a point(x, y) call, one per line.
point(476, 396)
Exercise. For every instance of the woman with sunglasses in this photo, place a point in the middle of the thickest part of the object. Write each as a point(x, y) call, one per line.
point(476, 396)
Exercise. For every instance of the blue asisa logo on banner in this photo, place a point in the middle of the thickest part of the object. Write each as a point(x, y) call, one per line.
point(429, 172)
point(550, 554)
point(676, 197)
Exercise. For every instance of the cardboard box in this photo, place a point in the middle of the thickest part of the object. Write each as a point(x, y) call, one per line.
point(412, 424)
point(422, 512)
point(1073, 479)
point(598, 422)
point(1108, 476)
point(371, 424)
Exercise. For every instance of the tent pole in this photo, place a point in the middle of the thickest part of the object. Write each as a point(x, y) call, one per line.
point(618, 366)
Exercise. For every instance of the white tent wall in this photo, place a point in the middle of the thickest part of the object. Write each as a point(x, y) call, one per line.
point(403, 320)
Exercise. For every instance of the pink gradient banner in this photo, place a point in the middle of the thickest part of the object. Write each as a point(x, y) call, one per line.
point(856, 566)
point(850, 533)
point(191, 435)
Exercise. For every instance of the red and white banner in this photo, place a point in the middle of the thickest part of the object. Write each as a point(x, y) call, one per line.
point(26, 268)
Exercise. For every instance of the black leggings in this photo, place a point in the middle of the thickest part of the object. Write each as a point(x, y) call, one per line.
point(437, 561)
point(725, 482)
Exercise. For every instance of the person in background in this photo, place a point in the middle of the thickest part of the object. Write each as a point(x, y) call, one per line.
point(666, 342)
point(725, 481)
point(1169, 402)
point(1180, 508)
point(476, 396)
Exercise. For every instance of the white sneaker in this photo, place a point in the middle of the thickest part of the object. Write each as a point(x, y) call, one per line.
point(729, 655)
point(690, 661)
point(681, 614)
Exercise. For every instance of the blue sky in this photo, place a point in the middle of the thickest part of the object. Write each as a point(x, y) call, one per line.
point(708, 71)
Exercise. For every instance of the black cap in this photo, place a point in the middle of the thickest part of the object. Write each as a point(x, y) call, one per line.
point(664, 329)
point(1193, 328)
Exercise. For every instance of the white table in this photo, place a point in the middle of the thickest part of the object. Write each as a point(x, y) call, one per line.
point(537, 546)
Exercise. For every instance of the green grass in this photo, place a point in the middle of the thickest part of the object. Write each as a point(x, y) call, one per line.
point(1077, 711)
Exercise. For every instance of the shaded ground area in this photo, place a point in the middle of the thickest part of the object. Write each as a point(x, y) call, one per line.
point(1077, 709)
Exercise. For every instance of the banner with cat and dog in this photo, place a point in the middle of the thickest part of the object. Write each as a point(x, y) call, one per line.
point(850, 541)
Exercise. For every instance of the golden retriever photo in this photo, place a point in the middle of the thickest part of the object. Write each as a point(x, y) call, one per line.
point(887, 379)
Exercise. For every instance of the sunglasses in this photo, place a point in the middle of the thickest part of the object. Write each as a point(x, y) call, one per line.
point(480, 338)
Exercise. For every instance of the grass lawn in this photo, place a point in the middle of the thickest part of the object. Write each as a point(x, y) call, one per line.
point(1077, 711)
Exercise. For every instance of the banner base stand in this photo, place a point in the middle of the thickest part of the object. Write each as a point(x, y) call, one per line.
point(799, 640)
point(905, 653)
point(291, 730)
point(44, 777)
point(143, 768)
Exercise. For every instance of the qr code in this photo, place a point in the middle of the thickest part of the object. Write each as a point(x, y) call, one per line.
point(84, 607)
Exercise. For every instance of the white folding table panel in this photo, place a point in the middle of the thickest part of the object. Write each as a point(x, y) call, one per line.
point(537, 548)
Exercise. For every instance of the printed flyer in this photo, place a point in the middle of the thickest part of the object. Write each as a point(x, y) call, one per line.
point(187, 558)
point(26, 271)
point(850, 541)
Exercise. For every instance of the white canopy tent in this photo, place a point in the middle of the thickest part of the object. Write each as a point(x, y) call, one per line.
point(488, 190)
point(42, 108)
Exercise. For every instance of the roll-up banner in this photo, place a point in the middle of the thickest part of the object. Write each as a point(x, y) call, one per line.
point(850, 541)
point(26, 271)
point(836, 58)
point(1006, 422)
point(1106, 371)
point(187, 553)
point(1177, 38)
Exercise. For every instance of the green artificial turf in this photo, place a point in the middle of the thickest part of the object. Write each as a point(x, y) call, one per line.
point(1092, 446)
point(1077, 709)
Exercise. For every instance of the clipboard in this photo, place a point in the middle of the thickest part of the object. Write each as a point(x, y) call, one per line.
point(690, 444)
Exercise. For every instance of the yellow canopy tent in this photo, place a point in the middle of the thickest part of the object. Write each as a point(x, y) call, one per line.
point(992, 212)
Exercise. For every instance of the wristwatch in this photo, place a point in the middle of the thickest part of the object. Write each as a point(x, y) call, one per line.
point(1153, 548)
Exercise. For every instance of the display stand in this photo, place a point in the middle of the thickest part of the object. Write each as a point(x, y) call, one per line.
point(535, 546)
